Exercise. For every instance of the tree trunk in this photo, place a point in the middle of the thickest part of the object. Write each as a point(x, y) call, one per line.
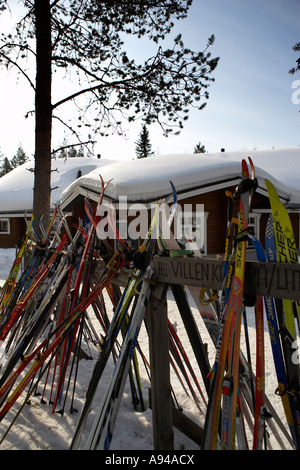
point(43, 113)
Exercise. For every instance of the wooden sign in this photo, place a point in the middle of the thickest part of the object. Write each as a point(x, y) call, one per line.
point(189, 271)
point(279, 280)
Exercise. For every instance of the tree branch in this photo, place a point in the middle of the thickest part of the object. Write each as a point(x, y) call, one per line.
point(113, 85)
point(73, 145)
point(74, 132)
point(72, 61)
point(10, 61)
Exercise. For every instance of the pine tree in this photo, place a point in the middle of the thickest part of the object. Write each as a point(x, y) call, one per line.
point(80, 152)
point(19, 158)
point(6, 167)
point(199, 148)
point(143, 147)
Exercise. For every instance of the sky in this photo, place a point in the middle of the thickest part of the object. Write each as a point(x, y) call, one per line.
point(252, 103)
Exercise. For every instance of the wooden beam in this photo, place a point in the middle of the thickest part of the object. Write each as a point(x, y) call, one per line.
point(157, 322)
point(187, 426)
point(184, 424)
point(278, 280)
point(203, 272)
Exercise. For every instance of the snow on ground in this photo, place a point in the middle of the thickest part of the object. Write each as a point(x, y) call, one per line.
point(37, 428)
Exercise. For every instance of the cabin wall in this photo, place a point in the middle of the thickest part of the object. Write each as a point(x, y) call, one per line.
point(215, 203)
point(17, 231)
point(215, 206)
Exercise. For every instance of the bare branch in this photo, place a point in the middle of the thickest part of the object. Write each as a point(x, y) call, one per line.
point(74, 62)
point(74, 133)
point(73, 145)
point(22, 71)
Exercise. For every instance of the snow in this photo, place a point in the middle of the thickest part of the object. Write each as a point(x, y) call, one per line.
point(37, 428)
point(148, 179)
point(282, 163)
point(16, 187)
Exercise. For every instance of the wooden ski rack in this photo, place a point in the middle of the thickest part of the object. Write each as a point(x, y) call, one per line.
point(278, 280)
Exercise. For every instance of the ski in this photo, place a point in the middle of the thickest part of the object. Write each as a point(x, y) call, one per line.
point(46, 233)
point(112, 398)
point(117, 390)
point(260, 413)
point(287, 371)
point(178, 352)
point(192, 330)
point(68, 344)
point(30, 291)
point(12, 277)
point(19, 352)
point(145, 253)
point(83, 270)
point(54, 346)
point(181, 300)
point(229, 336)
point(207, 307)
point(284, 234)
point(227, 264)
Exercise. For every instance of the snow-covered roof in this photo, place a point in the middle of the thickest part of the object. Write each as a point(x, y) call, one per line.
point(16, 187)
point(147, 180)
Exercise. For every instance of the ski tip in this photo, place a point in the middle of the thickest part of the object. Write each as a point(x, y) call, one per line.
point(271, 189)
point(267, 182)
point(252, 167)
point(245, 170)
point(229, 194)
point(173, 187)
point(106, 184)
point(173, 190)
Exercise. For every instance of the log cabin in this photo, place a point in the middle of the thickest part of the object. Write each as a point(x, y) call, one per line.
point(201, 180)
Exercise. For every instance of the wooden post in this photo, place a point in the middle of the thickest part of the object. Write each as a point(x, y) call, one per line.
point(157, 321)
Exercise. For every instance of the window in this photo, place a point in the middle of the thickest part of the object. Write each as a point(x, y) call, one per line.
point(253, 224)
point(4, 226)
